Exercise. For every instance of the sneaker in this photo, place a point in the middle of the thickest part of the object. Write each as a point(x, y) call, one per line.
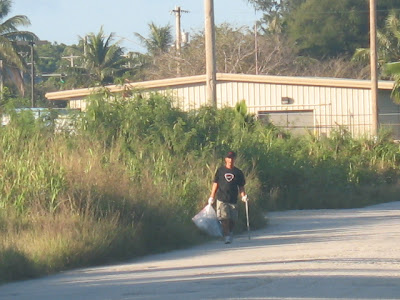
point(227, 239)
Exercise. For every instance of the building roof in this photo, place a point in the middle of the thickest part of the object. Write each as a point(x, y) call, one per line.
point(221, 77)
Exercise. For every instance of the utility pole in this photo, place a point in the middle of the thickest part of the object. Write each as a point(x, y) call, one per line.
point(374, 67)
point(33, 100)
point(178, 32)
point(211, 78)
point(31, 44)
point(178, 13)
point(85, 42)
point(71, 59)
point(1, 81)
point(256, 46)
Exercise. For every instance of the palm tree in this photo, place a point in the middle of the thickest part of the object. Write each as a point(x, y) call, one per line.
point(9, 35)
point(102, 58)
point(393, 48)
point(159, 41)
point(388, 42)
point(394, 70)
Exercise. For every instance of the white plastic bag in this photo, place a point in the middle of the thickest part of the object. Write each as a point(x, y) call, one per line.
point(207, 221)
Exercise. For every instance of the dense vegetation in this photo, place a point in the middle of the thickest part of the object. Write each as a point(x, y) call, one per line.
point(130, 180)
point(293, 38)
point(323, 28)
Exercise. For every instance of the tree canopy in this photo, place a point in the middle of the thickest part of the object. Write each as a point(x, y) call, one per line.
point(9, 35)
point(324, 28)
point(327, 28)
point(159, 41)
point(103, 57)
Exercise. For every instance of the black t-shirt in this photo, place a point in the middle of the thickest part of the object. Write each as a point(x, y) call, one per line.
point(229, 181)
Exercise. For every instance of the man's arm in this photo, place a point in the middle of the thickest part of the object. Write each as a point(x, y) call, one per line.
point(242, 191)
point(214, 190)
point(243, 194)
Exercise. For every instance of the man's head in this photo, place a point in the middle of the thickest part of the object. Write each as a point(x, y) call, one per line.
point(230, 159)
point(231, 154)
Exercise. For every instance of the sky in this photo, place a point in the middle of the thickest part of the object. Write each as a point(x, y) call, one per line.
point(64, 21)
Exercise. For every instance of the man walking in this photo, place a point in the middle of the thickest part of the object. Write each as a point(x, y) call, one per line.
point(228, 182)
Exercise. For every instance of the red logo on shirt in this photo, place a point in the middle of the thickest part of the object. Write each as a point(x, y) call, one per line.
point(229, 177)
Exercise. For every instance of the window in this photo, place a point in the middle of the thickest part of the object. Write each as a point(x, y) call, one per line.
point(297, 121)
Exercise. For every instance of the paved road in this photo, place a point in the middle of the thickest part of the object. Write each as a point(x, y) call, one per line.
point(310, 254)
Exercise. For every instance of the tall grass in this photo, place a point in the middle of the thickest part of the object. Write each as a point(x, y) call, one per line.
point(130, 181)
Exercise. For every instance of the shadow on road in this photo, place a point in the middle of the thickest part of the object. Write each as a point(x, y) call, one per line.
point(310, 254)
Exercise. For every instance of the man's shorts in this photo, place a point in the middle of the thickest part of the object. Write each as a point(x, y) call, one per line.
point(227, 211)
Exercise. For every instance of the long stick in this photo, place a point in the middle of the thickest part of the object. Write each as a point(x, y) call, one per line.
point(247, 217)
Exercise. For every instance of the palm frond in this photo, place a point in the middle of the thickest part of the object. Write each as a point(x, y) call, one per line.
point(392, 21)
point(395, 94)
point(12, 61)
point(9, 54)
point(5, 7)
point(13, 23)
point(21, 36)
point(159, 41)
point(361, 54)
point(103, 57)
point(392, 68)
point(15, 76)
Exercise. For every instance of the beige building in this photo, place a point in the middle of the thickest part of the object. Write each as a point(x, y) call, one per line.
point(295, 103)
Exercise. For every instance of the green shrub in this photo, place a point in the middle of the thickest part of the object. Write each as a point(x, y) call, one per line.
point(15, 265)
point(130, 180)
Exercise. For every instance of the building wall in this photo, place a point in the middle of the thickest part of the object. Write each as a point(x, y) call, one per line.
point(324, 103)
point(187, 97)
point(389, 113)
point(78, 104)
point(331, 106)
